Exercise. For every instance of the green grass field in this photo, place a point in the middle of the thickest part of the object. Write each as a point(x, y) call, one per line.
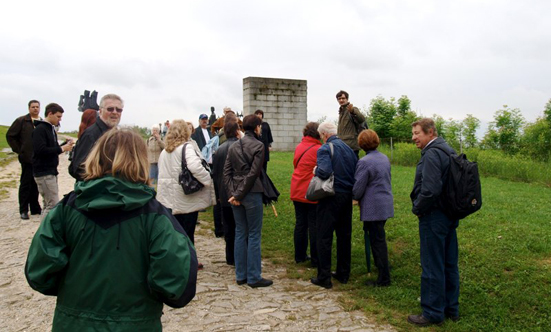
point(505, 255)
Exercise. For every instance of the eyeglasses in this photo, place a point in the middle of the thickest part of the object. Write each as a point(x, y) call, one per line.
point(113, 109)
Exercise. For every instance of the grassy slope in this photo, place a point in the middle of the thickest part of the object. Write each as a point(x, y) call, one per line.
point(505, 255)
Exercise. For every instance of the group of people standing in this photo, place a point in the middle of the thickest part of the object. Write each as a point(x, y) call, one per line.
point(115, 226)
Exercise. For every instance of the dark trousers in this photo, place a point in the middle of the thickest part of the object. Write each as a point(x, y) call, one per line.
point(28, 190)
point(188, 221)
point(334, 214)
point(305, 227)
point(375, 231)
point(217, 214)
point(439, 258)
point(229, 233)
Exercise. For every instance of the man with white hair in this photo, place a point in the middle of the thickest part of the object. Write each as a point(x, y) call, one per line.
point(110, 112)
point(334, 212)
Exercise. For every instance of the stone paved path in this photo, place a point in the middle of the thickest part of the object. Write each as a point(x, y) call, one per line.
point(220, 304)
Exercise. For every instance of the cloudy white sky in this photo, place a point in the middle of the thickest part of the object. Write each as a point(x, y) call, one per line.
point(175, 59)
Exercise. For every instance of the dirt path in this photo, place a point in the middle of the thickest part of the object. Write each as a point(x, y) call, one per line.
point(220, 304)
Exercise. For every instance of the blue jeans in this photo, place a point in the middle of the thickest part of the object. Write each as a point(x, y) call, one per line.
point(248, 232)
point(153, 172)
point(439, 257)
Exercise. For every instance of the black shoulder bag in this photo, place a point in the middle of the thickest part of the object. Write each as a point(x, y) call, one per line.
point(188, 182)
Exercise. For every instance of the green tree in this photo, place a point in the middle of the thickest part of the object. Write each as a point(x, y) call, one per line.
point(547, 111)
point(401, 125)
point(453, 132)
point(404, 106)
point(536, 141)
point(381, 114)
point(470, 126)
point(504, 132)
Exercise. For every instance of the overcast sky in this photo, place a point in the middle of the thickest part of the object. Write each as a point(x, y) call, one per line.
point(175, 59)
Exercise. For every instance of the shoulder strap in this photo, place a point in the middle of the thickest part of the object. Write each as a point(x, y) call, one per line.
point(311, 146)
point(441, 149)
point(184, 162)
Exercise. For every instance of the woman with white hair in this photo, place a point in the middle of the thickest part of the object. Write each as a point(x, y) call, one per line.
point(154, 147)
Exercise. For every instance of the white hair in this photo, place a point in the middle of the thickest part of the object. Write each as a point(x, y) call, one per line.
point(327, 128)
point(111, 96)
point(155, 127)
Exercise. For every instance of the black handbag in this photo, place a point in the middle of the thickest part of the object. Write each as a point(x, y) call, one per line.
point(188, 182)
point(270, 193)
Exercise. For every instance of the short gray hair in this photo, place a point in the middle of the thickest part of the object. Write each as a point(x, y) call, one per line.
point(111, 96)
point(327, 128)
point(155, 127)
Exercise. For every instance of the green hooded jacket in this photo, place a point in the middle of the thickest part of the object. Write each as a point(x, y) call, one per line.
point(112, 254)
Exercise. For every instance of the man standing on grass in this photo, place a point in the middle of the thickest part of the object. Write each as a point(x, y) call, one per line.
point(19, 137)
point(46, 156)
point(266, 138)
point(350, 119)
point(439, 250)
point(334, 212)
point(110, 112)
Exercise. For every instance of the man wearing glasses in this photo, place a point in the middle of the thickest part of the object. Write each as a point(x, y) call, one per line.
point(110, 111)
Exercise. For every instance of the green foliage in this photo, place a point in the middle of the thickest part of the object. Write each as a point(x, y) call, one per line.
point(404, 106)
point(470, 125)
point(453, 130)
point(380, 115)
point(504, 259)
point(5, 158)
point(536, 141)
point(504, 132)
point(143, 131)
point(547, 111)
point(401, 125)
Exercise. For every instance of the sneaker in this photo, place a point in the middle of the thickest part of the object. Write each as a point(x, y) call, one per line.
point(322, 283)
point(241, 282)
point(261, 283)
point(421, 321)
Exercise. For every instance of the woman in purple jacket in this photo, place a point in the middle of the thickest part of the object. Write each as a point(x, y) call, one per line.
point(373, 190)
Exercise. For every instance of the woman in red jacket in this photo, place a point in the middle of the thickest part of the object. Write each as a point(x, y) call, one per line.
point(305, 210)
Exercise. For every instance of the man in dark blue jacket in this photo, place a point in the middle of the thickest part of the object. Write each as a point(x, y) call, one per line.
point(439, 251)
point(334, 212)
point(46, 152)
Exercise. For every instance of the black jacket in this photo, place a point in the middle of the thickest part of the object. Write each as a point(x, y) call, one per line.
point(430, 174)
point(218, 160)
point(242, 173)
point(46, 149)
point(19, 137)
point(200, 138)
point(267, 139)
point(83, 147)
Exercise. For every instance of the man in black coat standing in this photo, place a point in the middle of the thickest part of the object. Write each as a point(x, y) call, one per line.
point(46, 156)
point(265, 137)
point(437, 232)
point(202, 135)
point(19, 137)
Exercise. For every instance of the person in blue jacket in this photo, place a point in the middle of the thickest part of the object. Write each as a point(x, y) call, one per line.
point(334, 212)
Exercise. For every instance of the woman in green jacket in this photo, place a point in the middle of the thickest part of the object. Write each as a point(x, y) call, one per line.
point(109, 251)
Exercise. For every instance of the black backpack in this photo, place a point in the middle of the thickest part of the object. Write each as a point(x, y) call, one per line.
point(359, 126)
point(462, 194)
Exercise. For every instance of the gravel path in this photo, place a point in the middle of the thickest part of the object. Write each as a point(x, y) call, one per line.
point(220, 304)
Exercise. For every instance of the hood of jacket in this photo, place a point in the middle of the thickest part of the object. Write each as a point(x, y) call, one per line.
point(110, 192)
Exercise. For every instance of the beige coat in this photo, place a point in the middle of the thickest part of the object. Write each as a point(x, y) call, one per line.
point(154, 148)
point(169, 190)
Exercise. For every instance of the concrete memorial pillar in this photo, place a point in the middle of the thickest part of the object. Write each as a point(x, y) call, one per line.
point(284, 104)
